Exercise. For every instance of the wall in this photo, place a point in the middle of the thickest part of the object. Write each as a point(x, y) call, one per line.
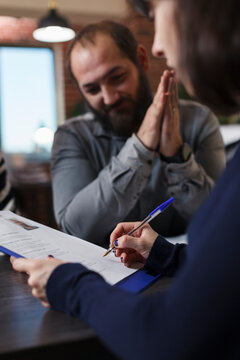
point(19, 31)
point(76, 11)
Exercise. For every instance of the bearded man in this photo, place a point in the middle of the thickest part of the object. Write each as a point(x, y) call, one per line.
point(130, 151)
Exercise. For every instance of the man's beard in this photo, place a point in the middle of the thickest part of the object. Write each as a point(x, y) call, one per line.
point(124, 122)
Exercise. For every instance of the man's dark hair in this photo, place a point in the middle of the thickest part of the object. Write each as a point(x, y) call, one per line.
point(119, 33)
point(209, 49)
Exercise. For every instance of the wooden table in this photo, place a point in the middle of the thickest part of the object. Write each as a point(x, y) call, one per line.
point(29, 331)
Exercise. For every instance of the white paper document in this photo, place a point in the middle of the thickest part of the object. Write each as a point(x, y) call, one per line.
point(33, 240)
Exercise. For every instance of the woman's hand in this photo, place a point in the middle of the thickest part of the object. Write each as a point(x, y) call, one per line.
point(39, 272)
point(132, 249)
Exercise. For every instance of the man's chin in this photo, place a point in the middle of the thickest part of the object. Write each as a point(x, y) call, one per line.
point(123, 124)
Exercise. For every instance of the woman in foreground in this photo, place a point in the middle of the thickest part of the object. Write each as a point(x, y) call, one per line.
point(198, 317)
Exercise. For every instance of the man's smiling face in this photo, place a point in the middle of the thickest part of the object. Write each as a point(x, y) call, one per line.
point(111, 84)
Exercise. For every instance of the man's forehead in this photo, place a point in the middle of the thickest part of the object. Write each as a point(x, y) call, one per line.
point(99, 43)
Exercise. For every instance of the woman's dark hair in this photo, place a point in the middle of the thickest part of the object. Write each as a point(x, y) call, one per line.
point(209, 32)
point(209, 49)
point(142, 6)
point(120, 34)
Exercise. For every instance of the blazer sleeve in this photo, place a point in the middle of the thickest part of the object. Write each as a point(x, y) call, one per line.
point(165, 258)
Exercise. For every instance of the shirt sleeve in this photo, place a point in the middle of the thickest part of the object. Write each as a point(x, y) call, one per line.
point(79, 190)
point(190, 182)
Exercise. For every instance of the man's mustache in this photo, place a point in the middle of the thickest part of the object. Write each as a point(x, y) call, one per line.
point(108, 108)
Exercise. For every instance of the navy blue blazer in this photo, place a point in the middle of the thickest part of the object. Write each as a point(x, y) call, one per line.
point(198, 317)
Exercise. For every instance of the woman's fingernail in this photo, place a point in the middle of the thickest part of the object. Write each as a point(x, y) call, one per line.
point(116, 242)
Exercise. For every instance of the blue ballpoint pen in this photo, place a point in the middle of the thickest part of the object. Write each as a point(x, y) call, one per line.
point(147, 219)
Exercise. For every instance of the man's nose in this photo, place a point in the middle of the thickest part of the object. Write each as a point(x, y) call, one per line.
point(110, 95)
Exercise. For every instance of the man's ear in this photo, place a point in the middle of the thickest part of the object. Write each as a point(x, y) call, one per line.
point(143, 57)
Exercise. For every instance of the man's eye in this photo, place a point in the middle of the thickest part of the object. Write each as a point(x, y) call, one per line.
point(117, 78)
point(92, 91)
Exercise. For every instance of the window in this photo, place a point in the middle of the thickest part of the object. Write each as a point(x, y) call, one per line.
point(28, 104)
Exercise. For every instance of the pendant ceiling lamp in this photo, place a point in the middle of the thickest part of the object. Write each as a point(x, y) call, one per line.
point(53, 27)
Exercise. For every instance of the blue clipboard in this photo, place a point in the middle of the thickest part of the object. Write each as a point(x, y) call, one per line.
point(138, 281)
point(9, 252)
point(133, 283)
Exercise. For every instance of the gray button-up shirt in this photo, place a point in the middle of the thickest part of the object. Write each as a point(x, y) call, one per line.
point(100, 179)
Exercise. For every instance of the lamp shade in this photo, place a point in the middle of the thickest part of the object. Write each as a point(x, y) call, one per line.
point(53, 28)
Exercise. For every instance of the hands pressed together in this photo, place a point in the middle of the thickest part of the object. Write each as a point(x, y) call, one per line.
point(160, 129)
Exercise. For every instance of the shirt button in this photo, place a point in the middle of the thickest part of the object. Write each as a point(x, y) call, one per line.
point(149, 162)
point(185, 188)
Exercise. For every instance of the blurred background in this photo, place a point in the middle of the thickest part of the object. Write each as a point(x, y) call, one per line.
point(36, 94)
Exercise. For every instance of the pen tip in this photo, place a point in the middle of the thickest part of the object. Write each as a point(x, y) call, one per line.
point(107, 252)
